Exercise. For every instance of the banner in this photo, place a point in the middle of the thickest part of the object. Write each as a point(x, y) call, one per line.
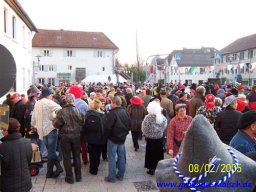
point(4, 117)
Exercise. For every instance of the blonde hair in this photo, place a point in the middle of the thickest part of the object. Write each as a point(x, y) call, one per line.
point(218, 101)
point(242, 97)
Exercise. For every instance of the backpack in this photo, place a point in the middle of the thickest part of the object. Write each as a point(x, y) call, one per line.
point(93, 127)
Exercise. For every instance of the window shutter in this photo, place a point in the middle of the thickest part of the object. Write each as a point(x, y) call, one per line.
point(46, 68)
point(73, 53)
point(95, 53)
point(65, 53)
point(104, 54)
point(55, 68)
point(50, 53)
point(41, 53)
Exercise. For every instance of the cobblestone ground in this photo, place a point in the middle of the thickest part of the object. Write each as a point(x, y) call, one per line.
point(136, 179)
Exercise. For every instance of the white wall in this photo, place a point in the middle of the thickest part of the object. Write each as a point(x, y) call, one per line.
point(20, 47)
point(82, 58)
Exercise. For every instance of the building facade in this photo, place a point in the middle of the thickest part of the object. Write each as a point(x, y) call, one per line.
point(238, 61)
point(186, 66)
point(71, 56)
point(16, 34)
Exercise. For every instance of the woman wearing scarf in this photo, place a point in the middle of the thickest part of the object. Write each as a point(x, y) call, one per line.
point(153, 127)
point(137, 113)
point(177, 129)
point(209, 109)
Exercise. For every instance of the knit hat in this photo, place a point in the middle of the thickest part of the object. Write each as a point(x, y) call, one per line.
point(33, 91)
point(46, 92)
point(70, 98)
point(76, 91)
point(228, 100)
point(136, 101)
point(246, 119)
point(200, 150)
point(221, 91)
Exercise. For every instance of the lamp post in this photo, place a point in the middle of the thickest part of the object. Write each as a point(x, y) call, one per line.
point(34, 63)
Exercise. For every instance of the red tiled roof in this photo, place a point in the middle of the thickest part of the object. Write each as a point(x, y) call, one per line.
point(241, 44)
point(72, 39)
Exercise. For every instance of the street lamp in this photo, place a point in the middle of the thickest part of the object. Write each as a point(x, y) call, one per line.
point(34, 63)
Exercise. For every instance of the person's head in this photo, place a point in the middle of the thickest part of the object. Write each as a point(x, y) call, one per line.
point(242, 97)
point(22, 96)
point(116, 102)
point(180, 110)
point(148, 92)
point(15, 98)
point(96, 104)
point(46, 93)
point(183, 96)
point(70, 98)
point(230, 102)
point(209, 101)
point(200, 90)
point(221, 92)
point(14, 126)
point(139, 93)
point(234, 91)
point(92, 95)
point(247, 122)
point(85, 96)
point(218, 101)
point(163, 91)
point(99, 93)
point(128, 90)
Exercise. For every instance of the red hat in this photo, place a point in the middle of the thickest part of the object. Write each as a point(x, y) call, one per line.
point(182, 87)
point(239, 87)
point(240, 105)
point(209, 101)
point(76, 91)
point(216, 87)
point(15, 95)
point(136, 101)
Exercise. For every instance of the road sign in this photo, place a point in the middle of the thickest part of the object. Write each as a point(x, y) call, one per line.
point(178, 56)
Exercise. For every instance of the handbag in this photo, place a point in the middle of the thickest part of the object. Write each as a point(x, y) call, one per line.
point(36, 156)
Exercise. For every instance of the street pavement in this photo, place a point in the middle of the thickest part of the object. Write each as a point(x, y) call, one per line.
point(136, 179)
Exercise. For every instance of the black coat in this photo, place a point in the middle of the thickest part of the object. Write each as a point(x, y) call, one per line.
point(118, 124)
point(16, 154)
point(226, 124)
point(18, 112)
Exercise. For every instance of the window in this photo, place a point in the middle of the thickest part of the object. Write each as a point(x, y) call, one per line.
point(13, 27)
point(254, 53)
point(5, 20)
point(103, 68)
point(250, 54)
point(100, 54)
point(69, 67)
point(46, 53)
point(51, 81)
point(51, 68)
point(41, 81)
point(41, 67)
point(241, 55)
point(69, 53)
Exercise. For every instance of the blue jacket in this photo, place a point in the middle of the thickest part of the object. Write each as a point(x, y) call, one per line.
point(243, 142)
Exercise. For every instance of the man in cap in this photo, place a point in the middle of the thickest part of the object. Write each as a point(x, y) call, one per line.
point(18, 111)
point(226, 120)
point(244, 139)
point(44, 113)
point(69, 121)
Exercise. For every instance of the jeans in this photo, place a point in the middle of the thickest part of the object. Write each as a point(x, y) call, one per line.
point(50, 142)
point(114, 149)
point(42, 148)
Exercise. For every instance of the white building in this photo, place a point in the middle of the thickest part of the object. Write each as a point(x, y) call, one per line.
point(16, 34)
point(70, 56)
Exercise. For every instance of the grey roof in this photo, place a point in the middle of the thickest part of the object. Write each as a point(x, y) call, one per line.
point(194, 57)
point(244, 43)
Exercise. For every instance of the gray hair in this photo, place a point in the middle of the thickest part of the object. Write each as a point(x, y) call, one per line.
point(117, 100)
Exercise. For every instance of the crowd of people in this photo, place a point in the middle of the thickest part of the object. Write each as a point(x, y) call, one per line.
point(96, 118)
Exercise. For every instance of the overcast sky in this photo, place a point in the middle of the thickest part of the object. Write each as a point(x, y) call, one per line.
point(161, 25)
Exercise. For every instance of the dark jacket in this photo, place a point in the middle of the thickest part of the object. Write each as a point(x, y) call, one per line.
point(251, 97)
point(128, 96)
point(118, 124)
point(137, 114)
point(18, 112)
point(16, 154)
point(226, 124)
point(69, 121)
